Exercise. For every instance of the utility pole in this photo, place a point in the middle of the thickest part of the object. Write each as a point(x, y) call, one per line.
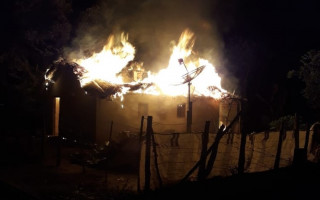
point(189, 112)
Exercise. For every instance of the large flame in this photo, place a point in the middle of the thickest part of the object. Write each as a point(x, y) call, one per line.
point(106, 64)
point(107, 67)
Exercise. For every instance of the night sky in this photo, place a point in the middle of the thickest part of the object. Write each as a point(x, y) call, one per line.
point(253, 44)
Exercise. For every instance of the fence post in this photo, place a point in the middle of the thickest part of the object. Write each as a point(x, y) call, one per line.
point(223, 130)
point(156, 158)
point(147, 155)
point(110, 133)
point(107, 160)
point(242, 152)
point(203, 157)
point(306, 142)
point(296, 131)
point(214, 150)
point(278, 155)
point(299, 156)
point(139, 156)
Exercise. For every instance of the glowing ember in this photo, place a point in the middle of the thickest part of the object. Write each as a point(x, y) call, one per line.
point(113, 70)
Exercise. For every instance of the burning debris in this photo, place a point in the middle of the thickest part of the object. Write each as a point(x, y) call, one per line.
point(102, 89)
point(133, 72)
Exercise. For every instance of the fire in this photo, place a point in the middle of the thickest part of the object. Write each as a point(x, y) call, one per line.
point(106, 64)
point(113, 67)
point(48, 77)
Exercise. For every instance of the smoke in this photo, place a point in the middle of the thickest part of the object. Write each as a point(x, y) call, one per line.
point(153, 26)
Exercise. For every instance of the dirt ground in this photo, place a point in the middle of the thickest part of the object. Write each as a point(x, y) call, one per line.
point(294, 182)
point(46, 180)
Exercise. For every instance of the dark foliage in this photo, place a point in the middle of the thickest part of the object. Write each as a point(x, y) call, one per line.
point(310, 75)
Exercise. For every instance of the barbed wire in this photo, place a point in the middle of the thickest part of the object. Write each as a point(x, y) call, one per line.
point(178, 159)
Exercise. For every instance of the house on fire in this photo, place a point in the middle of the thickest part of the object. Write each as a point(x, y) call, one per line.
point(93, 118)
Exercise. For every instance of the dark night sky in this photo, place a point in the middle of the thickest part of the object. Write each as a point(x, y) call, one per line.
point(253, 43)
point(280, 31)
point(277, 33)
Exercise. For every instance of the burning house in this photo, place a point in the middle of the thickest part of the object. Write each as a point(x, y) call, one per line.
point(180, 97)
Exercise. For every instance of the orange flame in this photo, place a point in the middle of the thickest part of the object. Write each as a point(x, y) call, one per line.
point(107, 65)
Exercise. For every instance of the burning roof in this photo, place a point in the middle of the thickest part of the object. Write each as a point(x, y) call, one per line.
point(114, 72)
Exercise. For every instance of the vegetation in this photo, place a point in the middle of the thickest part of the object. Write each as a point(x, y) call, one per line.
point(309, 73)
point(288, 121)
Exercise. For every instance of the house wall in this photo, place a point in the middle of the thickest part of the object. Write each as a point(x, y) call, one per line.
point(76, 117)
point(126, 115)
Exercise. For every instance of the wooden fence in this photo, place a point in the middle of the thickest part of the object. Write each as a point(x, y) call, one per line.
point(178, 157)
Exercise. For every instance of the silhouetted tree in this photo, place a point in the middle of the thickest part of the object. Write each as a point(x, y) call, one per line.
point(33, 35)
point(309, 73)
point(304, 86)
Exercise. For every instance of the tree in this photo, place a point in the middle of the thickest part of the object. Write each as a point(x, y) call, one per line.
point(309, 73)
point(33, 37)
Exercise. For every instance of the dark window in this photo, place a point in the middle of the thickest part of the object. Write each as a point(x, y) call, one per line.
point(142, 109)
point(181, 110)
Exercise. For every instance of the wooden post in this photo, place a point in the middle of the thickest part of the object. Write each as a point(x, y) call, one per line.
point(55, 131)
point(296, 131)
point(139, 156)
point(107, 160)
point(156, 159)
point(299, 156)
point(278, 155)
point(56, 116)
point(223, 130)
point(306, 142)
point(203, 157)
point(110, 132)
point(189, 112)
point(242, 151)
point(214, 151)
point(242, 155)
point(147, 155)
